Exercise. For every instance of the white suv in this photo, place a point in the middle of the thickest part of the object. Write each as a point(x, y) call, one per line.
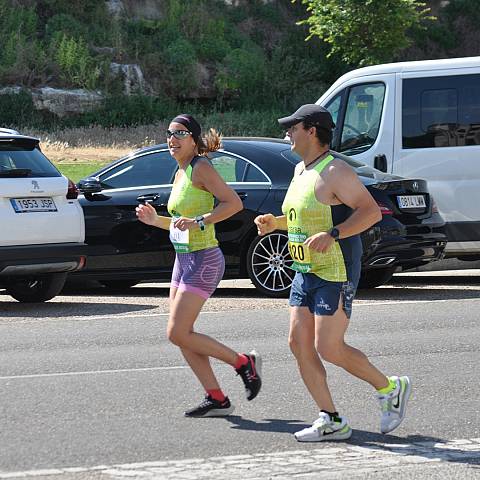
point(42, 229)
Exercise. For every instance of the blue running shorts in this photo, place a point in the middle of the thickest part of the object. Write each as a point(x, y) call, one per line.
point(321, 296)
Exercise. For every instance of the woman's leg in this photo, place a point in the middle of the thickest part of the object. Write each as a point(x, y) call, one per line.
point(195, 347)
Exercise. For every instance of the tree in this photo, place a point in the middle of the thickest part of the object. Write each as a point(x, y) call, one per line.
point(365, 32)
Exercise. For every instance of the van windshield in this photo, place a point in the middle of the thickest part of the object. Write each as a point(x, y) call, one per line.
point(357, 131)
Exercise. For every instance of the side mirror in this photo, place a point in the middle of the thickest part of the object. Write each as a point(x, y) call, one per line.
point(89, 185)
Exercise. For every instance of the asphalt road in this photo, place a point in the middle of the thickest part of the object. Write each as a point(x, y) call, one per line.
point(91, 388)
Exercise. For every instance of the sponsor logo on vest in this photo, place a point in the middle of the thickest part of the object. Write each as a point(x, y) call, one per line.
point(292, 214)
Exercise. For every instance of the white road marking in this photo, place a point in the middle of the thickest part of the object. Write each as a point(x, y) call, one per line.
point(92, 372)
point(332, 459)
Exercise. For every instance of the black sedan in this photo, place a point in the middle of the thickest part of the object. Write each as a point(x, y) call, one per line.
point(123, 251)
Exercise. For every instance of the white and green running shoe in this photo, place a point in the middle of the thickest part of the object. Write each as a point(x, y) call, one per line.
point(325, 430)
point(394, 404)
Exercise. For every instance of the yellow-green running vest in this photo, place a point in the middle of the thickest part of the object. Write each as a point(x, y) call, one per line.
point(186, 200)
point(306, 216)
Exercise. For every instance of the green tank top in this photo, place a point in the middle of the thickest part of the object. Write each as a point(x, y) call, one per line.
point(305, 217)
point(186, 200)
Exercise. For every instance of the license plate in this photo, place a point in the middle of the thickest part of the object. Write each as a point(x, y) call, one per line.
point(37, 204)
point(411, 201)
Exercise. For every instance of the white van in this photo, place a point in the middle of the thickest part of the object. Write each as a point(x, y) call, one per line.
point(421, 120)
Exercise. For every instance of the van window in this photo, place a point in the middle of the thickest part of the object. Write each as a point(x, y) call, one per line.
point(441, 111)
point(363, 112)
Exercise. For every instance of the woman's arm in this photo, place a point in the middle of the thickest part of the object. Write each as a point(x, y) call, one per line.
point(206, 177)
point(147, 214)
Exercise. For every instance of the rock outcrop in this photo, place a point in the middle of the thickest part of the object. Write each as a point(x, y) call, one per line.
point(66, 102)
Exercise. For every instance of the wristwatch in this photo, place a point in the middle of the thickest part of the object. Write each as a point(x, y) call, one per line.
point(334, 233)
point(200, 219)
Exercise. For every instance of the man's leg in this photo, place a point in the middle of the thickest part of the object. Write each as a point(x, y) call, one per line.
point(302, 344)
point(330, 344)
point(329, 425)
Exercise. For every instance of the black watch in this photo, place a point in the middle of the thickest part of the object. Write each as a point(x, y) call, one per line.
point(334, 233)
point(200, 219)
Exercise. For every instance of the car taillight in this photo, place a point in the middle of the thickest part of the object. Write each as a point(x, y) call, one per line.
point(434, 205)
point(384, 208)
point(72, 192)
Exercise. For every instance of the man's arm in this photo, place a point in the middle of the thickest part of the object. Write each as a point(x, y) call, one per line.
point(268, 223)
point(348, 188)
point(345, 185)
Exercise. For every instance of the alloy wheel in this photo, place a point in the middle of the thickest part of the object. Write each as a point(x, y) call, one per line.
point(270, 264)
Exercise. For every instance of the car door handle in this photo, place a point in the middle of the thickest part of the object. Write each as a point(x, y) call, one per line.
point(380, 162)
point(242, 195)
point(148, 198)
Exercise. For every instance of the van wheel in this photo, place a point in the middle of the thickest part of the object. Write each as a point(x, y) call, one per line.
point(268, 265)
point(375, 277)
point(36, 289)
point(118, 284)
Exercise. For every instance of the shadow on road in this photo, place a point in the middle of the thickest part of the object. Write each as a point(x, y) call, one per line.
point(151, 290)
point(420, 288)
point(61, 310)
point(267, 425)
point(432, 448)
point(436, 280)
point(412, 445)
point(386, 293)
point(416, 294)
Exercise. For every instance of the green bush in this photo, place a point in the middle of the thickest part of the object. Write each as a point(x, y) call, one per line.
point(62, 24)
point(77, 66)
point(17, 111)
point(180, 60)
point(242, 72)
point(122, 111)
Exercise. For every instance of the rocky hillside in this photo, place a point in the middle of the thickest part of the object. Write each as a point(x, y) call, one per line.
point(124, 61)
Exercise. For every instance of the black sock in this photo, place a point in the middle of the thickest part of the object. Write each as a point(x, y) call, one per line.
point(333, 416)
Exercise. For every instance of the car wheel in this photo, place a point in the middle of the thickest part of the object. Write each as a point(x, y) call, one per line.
point(119, 284)
point(268, 264)
point(36, 289)
point(375, 277)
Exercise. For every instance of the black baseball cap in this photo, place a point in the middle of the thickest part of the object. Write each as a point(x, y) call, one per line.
point(310, 113)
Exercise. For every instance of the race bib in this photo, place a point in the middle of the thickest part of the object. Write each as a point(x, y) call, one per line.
point(299, 252)
point(179, 238)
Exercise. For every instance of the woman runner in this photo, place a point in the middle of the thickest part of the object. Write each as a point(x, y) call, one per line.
point(199, 262)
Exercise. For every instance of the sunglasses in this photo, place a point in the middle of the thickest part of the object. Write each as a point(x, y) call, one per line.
point(178, 134)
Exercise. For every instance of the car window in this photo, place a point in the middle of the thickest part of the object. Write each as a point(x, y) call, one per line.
point(234, 169)
point(441, 111)
point(155, 168)
point(362, 118)
point(292, 157)
point(25, 157)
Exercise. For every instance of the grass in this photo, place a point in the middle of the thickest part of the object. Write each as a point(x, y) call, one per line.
point(76, 171)
point(78, 152)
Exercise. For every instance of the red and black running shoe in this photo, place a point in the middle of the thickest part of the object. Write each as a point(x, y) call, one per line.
point(251, 374)
point(211, 408)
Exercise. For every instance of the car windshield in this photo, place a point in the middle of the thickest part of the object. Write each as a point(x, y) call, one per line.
point(25, 160)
